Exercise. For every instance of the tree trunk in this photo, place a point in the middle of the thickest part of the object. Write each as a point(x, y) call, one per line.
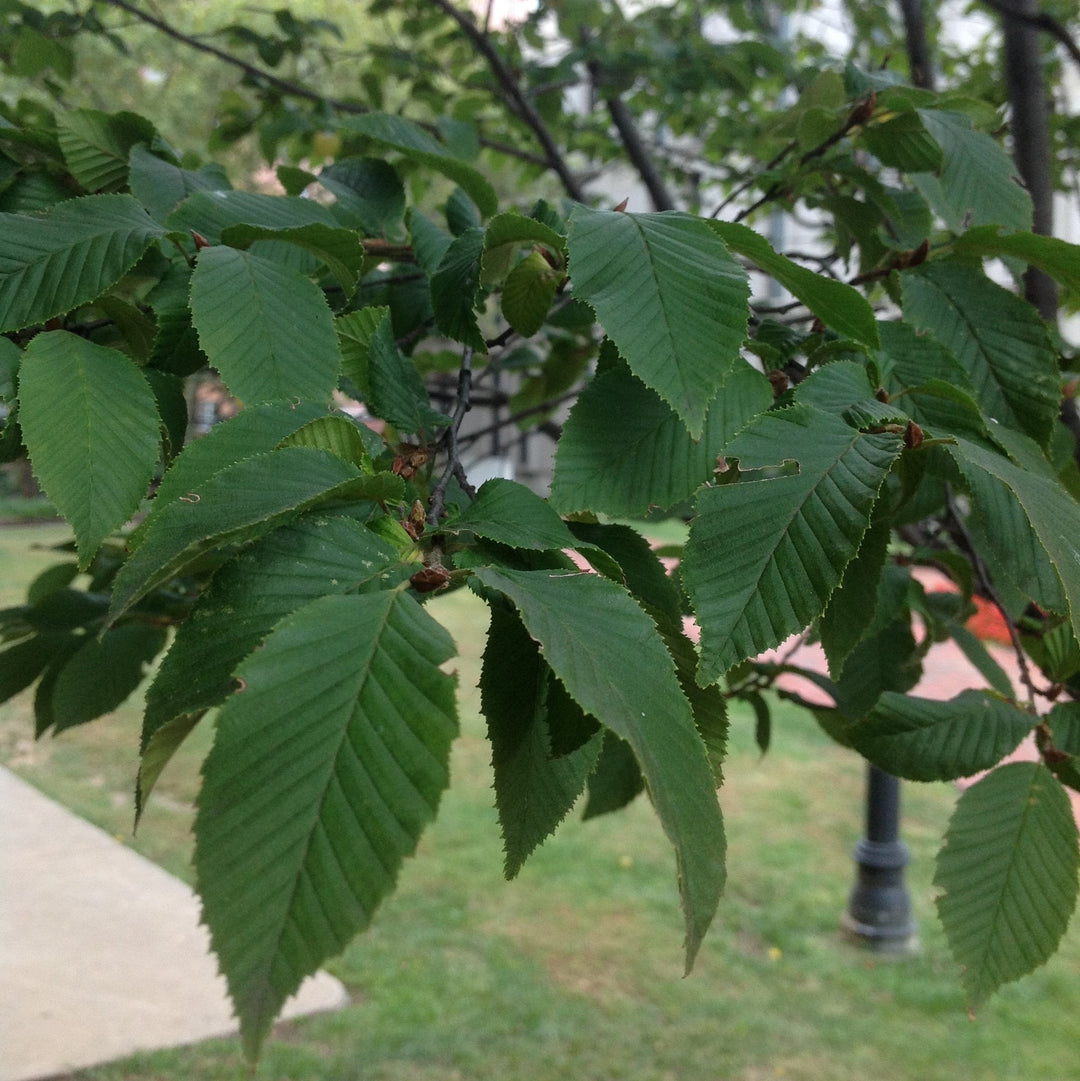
point(918, 48)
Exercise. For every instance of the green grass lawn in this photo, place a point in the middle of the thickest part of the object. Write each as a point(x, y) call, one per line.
point(574, 970)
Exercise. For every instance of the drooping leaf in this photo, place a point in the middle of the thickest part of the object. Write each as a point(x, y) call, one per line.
point(669, 295)
point(266, 328)
point(292, 566)
point(623, 450)
point(605, 651)
point(355, 331)
point(71, 254)
point(926, 740)
point(103, 673)
point(765, 555)
point(534, 790)
point(241, 500)
point(368, 194)
point(836, 304)
point(96, 145)
point(454, 288)
point(89, 420)
point(1058, 258)
point(396, 392)
point(509, 513)
point(324, 772)
point(616, 780)
point(1009, 871)
point(415, 143)
point(998, 339)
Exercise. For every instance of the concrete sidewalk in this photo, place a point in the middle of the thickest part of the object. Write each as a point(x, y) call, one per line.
point(101, 951)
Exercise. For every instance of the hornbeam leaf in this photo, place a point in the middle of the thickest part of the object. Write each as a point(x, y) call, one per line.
point(325, 770)
point(266, 328)
point(764, 555)
point(96, 145)
point(511, 514)
point(90, 423)
point(670, 296)
point(835, 303)
point(53, 262)
point(926, 740)
point(454, 287)
point(289, 568)
point(417, 144)
point(1009, 871)
point(534, 790)
point(623, 450)
point(242, 500)
point(209, 213)
point(997, 337)
point(1058, 258)
point(605, 651)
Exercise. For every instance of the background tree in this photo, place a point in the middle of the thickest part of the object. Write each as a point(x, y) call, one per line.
point(902, 411)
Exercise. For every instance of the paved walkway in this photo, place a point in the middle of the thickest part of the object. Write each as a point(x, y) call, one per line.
point(101, 951)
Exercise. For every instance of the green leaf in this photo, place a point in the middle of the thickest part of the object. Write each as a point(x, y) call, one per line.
point(355, 331)
point(454, 287)
point(368, 193)
point(90, 423)
point(337, 434)
point(209, 213)
point(505, 235)
point(69, 255)
point(669, 295)
point(324, 772)
point(161, 186)
point(509, 513)
point(1058, 258)
point(623, 450)
point(396, 392)
point(1044, 557)
point(528, 292)
point(978, 182)
point(533, 790)
point(1009, 872)
point(605, 651)
point(22, 663)
point(96, 145)
point(266, 328)
point(103, 673)
point(339, 250)
point(287, 569)
point(416, 144)
point(764, 555)
point(616, 780)
point(836, 304)
point(998, 339)
point(926, 740)
point(904, 143)
point(252, 495)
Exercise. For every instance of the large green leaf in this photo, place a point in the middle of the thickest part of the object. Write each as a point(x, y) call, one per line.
point(998, 339)
point(290, 567)
point(90, 423)
point(368, 194)
point(1055, 257)
point(926, 740)
point(836, 304)
point(1044, 558)
point(978, 183)
point(534, 790)
point(417, 144)
point(96, 145)
point(266, 328)
point(325, 770)
point(767, 550)
point(509, 513)
point(605, 651)
point(54, 262)
point(240, 501)
point(670, 296)
point(209, 213)
point(623, 450)
point(161, 186)
point(1009, 871)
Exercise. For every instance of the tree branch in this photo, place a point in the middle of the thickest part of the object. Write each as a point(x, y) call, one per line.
point(1041, 21)
point(437, 502)
point(517, 100)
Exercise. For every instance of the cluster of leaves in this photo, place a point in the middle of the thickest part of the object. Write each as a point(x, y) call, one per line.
point(292, 550)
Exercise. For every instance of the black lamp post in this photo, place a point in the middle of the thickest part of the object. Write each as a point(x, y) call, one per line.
point(879, 908)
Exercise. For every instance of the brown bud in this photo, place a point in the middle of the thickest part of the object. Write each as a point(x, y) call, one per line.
point(779, 381)
point(200, 241)
point(429, 579)
point(913, 434)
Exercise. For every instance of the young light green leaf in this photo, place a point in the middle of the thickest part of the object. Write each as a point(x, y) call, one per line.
point(505, 235)
point(266, 328)
point(836, 304)
point(533, 789)
point(96, 145)
point(69, 255)
point(1009, 871)
point(605, 651)
point(324, 772)
point(417, 144)
point(528, 292)
point(91, 425)
point(926, 740)
point(671, 298)
point(337, 434)
point(243, 499)
point(623, 450)
point(998, 339)
point(764, 555)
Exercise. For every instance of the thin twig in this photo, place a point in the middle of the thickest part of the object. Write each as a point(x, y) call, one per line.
point(1041, 20)
point(437, 501)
